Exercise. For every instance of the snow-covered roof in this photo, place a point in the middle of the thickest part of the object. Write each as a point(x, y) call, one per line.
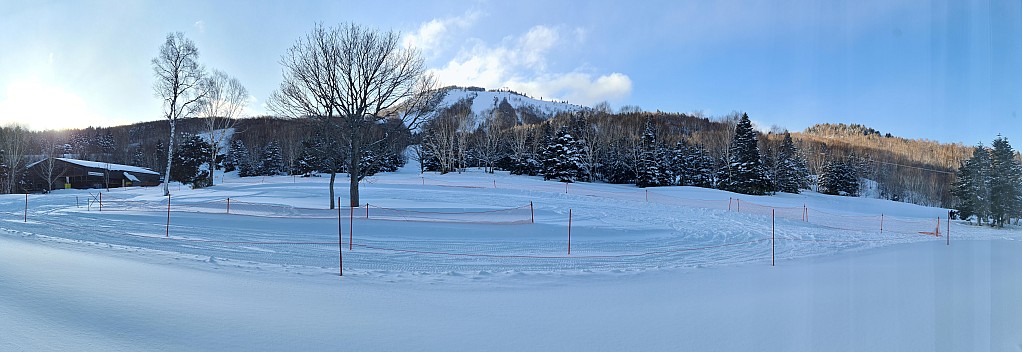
point(130, 177)
point(109, 166)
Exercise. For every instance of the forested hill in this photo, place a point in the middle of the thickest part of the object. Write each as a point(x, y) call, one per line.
point(917, 171)
point(913, 170)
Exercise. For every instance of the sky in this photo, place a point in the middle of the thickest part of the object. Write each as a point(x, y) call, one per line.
point(938, 70)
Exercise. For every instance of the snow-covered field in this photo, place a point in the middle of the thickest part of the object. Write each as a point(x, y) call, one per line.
point(463, 262)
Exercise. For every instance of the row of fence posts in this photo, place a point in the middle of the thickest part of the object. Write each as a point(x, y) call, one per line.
point(532, 212)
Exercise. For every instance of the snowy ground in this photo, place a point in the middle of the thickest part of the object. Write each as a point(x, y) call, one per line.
point(455, 262)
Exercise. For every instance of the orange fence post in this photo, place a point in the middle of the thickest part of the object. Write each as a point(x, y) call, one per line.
point(340, 255)
point(351, 222)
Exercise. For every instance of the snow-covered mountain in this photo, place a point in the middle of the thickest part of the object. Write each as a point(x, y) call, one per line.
point(484, 102)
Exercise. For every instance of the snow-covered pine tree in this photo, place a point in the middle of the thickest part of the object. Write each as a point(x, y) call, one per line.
point(240, 159)
point(652, 171)
point(563, 158)
point(839, 178)
point(190, 155)
point(791, 174)
point(691, 166)
point(272, 160)
point(743, 172)
point(1005, 176)
point(972, 189)
point(309, 160)
point(617, 165)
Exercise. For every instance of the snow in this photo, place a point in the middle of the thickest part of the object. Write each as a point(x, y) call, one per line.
point(109, 166)
point(485, 101)
point(666, 269)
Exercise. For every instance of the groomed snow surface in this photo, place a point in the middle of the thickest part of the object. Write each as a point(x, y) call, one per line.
point(476, 261)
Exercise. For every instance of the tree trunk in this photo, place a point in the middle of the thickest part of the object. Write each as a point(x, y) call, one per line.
point(355, 171)
point(333, 176)
point(170, 157)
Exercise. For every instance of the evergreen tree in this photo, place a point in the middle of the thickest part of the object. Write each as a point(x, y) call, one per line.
point(791, 174)
point(743, 172)
point(691, 166)
point(563, 159)
point(839, 178)
point(190, 155)
point(272, 160)
point(972, 189)
point(652, 171)
point(240, 159)
point(1005, 179)
point(617, 164)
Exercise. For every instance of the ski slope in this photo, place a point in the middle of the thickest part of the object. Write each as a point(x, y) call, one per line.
point(463, 262)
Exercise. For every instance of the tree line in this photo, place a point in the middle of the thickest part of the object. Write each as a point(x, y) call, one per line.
point(351, 99)
point(989, 185)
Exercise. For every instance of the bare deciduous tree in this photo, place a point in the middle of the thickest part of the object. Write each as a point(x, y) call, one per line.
point(224, 100)
point(351, 76)
point(50, 148)
point(13, 139)
point(178, 84)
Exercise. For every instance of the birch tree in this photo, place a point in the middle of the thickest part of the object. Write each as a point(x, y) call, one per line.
point(178, 84)
point(225, 98)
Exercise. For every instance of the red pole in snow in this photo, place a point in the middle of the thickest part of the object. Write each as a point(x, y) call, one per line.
point(367, 210)
point(100, 201)
point(771, 237)
point(881, 223)
point(565, 187)
point(351, 222)
point(533, 212)
point(228, 205)
point(340, 255)
point(647, 196)
point(26, 207)
point(948, 234)
point(168, 215)
point(569, 231)
point(728, 203)
point(937, 231)
point(739, 203)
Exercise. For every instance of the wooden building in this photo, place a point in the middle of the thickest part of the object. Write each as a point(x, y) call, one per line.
point(56, 173)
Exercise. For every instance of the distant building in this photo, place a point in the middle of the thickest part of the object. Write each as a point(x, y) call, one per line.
point(61, 173)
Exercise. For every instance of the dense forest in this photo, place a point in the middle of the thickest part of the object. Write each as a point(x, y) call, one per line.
point(644, 148)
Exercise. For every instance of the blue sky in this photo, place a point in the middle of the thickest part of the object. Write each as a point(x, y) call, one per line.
point(941, 70)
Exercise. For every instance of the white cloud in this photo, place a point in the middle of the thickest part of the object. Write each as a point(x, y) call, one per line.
point(521, 63)
point(431, 36)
